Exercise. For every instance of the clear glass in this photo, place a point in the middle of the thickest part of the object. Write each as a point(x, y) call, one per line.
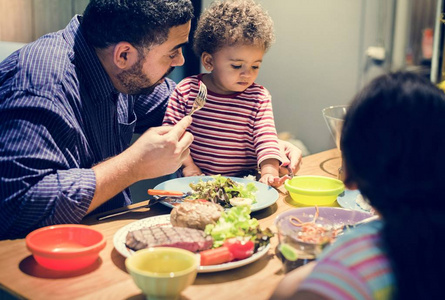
point(294, 250)
point(334, 117)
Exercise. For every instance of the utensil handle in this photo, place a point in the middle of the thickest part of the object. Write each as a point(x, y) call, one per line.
point(164, 193)
point(113, 215)
point(150, 203)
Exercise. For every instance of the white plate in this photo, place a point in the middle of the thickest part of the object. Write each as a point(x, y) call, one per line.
point(265, 195)
point(348, 199)
point(164, 220)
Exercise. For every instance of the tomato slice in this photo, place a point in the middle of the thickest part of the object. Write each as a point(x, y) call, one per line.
point(240, 248)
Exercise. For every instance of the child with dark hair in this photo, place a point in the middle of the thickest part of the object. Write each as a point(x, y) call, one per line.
point(234, 134)
point(393, 145)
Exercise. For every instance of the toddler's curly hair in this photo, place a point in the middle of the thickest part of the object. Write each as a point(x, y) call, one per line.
point(231, 22)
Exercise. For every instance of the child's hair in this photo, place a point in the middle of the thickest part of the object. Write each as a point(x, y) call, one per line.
point(393, 146)
point(232, 22)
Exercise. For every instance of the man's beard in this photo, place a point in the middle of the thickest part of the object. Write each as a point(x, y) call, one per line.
point(136, 82)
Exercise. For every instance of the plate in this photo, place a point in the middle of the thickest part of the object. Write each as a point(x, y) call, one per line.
point(348, 199)
point(265, 196)
point(164, 220)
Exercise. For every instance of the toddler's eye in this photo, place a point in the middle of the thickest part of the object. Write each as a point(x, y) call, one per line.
point(255, 67)
point(236, 67)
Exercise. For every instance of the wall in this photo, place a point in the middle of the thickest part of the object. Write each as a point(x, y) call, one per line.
point(26, 20)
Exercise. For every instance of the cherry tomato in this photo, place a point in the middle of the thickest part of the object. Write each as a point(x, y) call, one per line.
point(240, 248)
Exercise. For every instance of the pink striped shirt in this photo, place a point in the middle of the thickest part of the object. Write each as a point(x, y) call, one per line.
point(355, 266)
point(233, 133)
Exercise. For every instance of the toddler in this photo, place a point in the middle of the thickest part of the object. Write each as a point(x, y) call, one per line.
point(234, 133)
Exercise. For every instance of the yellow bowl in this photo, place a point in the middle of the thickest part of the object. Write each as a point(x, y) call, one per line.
point(162, 272)
point(314, 190)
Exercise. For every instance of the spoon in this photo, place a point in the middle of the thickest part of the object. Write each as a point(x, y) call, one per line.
point(364, 221)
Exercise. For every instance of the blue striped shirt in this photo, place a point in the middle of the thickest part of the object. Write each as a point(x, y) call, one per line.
point(59, 116)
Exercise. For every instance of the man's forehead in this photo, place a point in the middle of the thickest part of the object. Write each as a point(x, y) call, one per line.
point(179, 35)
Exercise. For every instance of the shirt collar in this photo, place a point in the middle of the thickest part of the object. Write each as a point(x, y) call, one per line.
point(85, 57)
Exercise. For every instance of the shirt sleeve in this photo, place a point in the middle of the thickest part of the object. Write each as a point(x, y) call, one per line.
point(266, 140)
point(150, 109)
point(334, 280)
point(41, 180)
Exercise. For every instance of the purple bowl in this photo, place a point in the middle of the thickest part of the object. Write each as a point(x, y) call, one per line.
point(338, 216)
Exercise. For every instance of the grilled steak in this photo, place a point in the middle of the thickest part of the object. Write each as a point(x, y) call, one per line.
point(180, 237)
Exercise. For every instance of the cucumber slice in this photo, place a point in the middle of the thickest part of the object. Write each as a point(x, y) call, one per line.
point(288, 252)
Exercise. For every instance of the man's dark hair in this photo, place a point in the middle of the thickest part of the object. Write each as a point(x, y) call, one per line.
point(142, 23)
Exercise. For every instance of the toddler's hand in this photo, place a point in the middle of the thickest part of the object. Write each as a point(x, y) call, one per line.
point(191, 170)
point(272, 180)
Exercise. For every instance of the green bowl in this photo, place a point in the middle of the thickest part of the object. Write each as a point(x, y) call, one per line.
point(310, 190)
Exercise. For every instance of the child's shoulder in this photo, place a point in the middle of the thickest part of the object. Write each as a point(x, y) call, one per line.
point(190, 79)
point(188, 83)
point(258, 89)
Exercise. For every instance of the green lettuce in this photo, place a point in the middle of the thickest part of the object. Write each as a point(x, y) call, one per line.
point(235, 222)
point(221, 189)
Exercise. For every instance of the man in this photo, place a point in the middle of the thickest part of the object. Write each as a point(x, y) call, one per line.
point(70, 103)
point(68, 110)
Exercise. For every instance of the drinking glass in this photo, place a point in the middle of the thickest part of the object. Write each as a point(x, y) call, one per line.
point(334, 117)
point(294, 247)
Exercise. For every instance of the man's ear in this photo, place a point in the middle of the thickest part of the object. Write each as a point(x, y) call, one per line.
point(124, 55)
point(207, 61)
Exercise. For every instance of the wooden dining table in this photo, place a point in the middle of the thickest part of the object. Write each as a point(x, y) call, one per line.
point(107, 278)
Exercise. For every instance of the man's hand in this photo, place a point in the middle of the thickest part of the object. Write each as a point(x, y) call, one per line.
point(291, 157)
point(161, 150)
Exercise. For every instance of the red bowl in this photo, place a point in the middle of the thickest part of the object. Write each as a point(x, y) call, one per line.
point(65, 247)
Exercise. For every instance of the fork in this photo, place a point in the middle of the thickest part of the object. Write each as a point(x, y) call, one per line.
point(200, 98)
point(155, 200)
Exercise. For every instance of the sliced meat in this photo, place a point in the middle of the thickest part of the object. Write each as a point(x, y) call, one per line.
point(180, 237)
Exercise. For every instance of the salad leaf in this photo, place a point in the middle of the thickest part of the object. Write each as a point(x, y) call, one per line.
point(221, 189)
point(235, 222)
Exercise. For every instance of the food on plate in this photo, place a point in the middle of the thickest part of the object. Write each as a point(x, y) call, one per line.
point(162, 236)
point(233, 249)
point(215, 256)
point(195, 214)
point(234, 236)
point(240, 248)
point(311, 232)
point(236, 222)
point(221, 189)
point(238, 201)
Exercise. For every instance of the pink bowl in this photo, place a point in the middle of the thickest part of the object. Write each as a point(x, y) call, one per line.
point(65, 247)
